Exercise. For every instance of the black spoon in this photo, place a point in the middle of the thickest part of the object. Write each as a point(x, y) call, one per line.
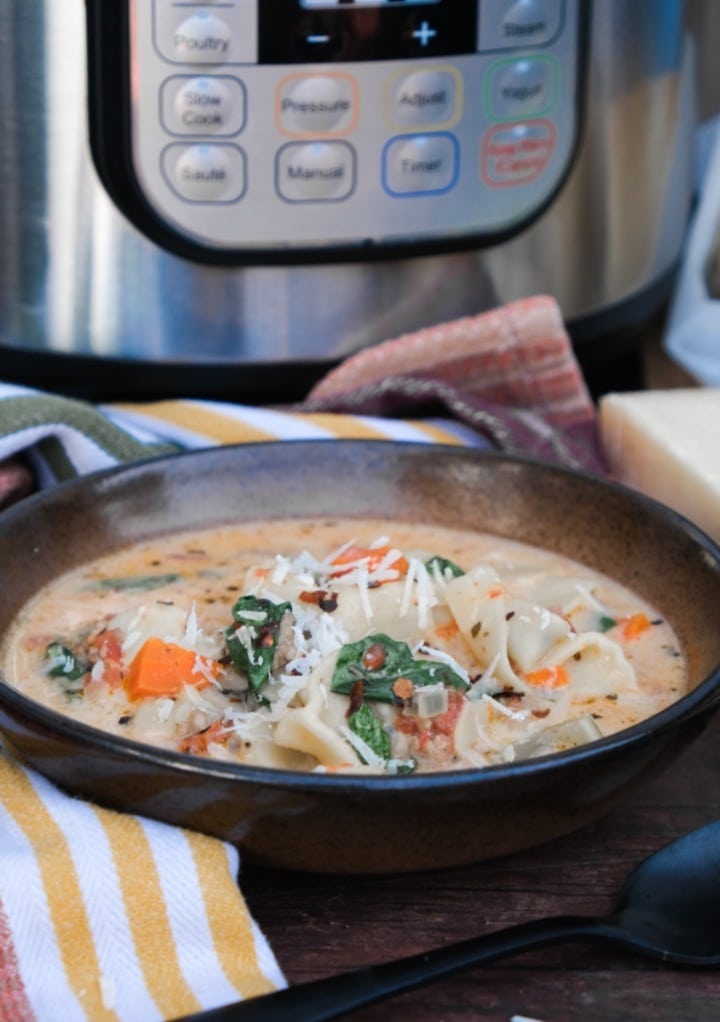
point(669, 909)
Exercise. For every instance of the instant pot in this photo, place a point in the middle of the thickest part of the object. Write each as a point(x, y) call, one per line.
point(224, 199)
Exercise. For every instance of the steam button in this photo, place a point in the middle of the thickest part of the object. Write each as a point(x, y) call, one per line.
point(203, 39)
point(521, 23)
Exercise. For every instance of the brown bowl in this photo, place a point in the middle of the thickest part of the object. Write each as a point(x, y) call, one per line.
point(356, 824)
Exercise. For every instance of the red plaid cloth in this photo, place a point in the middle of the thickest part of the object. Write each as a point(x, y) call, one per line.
point(511, 373)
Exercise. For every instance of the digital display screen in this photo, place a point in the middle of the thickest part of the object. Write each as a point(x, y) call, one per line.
point(343, 31)
point(329, 4)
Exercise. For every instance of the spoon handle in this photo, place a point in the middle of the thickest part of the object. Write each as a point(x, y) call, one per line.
point(327, 998)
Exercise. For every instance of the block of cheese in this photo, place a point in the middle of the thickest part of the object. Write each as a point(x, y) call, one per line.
point(667, 444)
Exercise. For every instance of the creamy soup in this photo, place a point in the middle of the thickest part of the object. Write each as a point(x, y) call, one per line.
point(358, 646)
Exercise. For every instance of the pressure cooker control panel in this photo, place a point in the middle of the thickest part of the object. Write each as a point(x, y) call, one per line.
point(296, 124)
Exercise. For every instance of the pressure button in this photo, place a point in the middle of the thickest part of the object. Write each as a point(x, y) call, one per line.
point(203, 39)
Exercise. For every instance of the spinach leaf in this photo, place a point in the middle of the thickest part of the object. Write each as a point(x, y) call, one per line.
point(140, 582)
point(378, 661)
point(252, 640)
point(69, 669)
point(443, 565)
point(606, 623)
point(366, 725)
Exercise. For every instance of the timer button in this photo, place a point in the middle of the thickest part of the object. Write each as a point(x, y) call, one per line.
point(420, 164)
point(202, 39)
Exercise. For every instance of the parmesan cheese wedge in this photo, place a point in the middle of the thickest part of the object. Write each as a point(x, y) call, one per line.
point(667, 444)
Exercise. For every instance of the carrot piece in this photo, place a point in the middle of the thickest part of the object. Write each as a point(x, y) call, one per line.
point(197, 744)
point(633, 626)
point(448, 631)
point(372, 556)
point(163, 668)
point(548, 677)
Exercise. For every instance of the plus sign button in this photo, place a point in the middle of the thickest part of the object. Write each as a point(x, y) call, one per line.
point(422, 36)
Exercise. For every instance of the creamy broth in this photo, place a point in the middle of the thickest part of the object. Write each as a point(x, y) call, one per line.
point(358, 646)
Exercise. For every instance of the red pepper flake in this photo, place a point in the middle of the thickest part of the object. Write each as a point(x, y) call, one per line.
point(357, 696)
point(374, 657)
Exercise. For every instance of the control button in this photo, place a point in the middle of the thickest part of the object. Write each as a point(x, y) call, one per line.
point(520, 23)
point(425, 97)
point(517, 154)
point(211, 105)
point(420, 164)
point(205, 173)
point(202, 39)
point(317, 43)
point(320, 102)
point(421, 36)
point(521, 88)
point(315, 171)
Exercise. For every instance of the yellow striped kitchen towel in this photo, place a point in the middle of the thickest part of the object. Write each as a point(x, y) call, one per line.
point(114, 918)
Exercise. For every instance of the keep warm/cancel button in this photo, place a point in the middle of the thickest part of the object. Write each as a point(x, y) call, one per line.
point(315, 171)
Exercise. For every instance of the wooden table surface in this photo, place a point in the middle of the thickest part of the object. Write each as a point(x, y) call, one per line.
point(322, 925)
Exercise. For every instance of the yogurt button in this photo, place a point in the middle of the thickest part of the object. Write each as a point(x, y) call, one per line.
point(202, 39)
point(523, 88)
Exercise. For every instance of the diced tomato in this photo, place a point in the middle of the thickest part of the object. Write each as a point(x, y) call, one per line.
point(107, 646)
point(371, 557)
point(198, 743)
point(428, 729)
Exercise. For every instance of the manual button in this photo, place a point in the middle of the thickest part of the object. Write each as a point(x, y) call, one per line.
point(315, 171)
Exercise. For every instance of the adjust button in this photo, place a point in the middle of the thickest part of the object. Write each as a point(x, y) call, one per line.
point(425, 97)
point(205, 173)
point(202, 39)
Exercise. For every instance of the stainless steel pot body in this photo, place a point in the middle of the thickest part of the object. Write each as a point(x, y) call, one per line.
point(78, 279)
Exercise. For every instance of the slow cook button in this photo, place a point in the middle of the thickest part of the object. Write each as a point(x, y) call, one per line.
point(315, 171)
point(205, 173)
point(521, 88)
point(202, 39)
point(211, 105)
point(421, 164)
point(319, 102)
